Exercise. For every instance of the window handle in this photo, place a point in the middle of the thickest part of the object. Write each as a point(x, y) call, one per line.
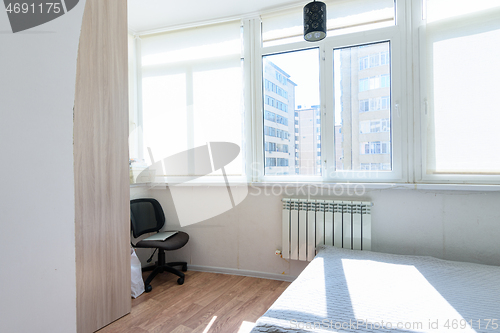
point(426, 106)
point(398, 112)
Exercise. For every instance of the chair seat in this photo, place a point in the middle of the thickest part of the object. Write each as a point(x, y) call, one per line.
point(172, 243)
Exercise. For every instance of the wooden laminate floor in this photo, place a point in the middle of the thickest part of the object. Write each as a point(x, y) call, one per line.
point(205, 303)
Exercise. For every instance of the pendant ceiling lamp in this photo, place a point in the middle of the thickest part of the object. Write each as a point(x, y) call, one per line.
point(314, 21)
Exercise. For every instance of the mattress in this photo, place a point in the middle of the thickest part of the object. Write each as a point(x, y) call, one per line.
point(361, 291)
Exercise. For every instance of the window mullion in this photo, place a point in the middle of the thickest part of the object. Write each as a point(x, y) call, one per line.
point(249, 105)
point(255, 75)
point(327, 111)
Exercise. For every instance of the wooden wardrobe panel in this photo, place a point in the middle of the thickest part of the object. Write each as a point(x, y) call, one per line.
point(101, 167)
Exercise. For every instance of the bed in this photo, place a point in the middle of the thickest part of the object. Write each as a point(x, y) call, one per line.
point(361, 291)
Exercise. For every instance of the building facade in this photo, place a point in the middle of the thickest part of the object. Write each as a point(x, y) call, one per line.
point(365, 103)
point(292, 135)
point(308, 140)
point(279, 105)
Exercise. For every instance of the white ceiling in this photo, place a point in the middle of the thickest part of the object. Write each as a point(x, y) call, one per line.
point(145, 15)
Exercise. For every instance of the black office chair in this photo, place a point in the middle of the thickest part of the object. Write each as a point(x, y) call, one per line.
point(146, 215)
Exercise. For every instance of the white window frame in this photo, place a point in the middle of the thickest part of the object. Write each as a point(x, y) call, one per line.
point(408, 116)
point(421, 110)
point(396, 36)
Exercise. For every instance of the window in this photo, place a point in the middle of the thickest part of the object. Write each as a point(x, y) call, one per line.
point(185, 75)
point(373, 60)
point(282, 120)
point(385, 125)
point(375, 166)
point(353, 123)
point(374, 82)
point(319, 111)
point(376, 147)
point(364, 105)
point(385, 81)
point(282, 162)
point(364, 127)
point(301, 82)
point(374, 104)
point(363, 63)
point(374, 126)
point(270, 116)
point(384, 58)
point(461, 114)
point(384, 102)
point(364, 84)
point(270, 161)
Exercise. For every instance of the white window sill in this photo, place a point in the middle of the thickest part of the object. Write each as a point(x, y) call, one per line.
point(353, 186)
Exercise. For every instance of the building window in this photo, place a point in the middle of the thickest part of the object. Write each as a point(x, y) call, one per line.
point(283, 162)
point(384, 58)
point(374, 60)
point(271, 161)
point(385, 125)
point(384, 103)
point(375, 166)
point(282, 120)
point(363, 63)
point(385, 81)
point(374, 104)
point(364, 84)
point(376, 147)
point(364, 105)
point(374, 82)
point(271, 116)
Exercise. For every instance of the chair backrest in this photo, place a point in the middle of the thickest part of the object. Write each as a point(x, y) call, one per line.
point(146, 215)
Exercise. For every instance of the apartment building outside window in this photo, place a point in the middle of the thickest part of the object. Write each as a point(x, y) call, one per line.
point(283, 88)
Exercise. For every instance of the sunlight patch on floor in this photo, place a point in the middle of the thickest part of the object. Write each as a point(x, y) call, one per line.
point(246, 327)
point(209, 324)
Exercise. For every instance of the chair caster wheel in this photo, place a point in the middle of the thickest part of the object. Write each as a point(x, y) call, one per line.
point(148, 288)
point(184, 268)
point(180, 280)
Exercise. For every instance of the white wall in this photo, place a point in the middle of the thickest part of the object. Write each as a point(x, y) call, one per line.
point(455, 225)
point(37, 238)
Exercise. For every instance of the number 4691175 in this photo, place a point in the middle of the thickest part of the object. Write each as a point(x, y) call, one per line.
point(24, 8)
point(479, 323)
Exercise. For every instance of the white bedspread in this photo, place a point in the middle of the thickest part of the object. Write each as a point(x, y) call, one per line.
point(362, 291)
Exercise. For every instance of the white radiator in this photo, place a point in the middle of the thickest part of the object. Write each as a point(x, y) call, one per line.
point(309, 223)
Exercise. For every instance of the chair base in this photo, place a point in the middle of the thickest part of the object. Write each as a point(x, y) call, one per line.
point(160, 267)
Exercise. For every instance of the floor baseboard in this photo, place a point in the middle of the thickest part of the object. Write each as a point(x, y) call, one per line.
point(242, 272)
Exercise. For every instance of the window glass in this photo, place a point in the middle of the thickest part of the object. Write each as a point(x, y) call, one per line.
point(295, 101)
point(186, 101)
point(462, 84)
point(357, 92)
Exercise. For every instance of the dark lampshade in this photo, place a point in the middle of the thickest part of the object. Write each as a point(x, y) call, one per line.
point(314, 21)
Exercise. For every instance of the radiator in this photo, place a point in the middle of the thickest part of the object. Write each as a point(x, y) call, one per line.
point(309, 223)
